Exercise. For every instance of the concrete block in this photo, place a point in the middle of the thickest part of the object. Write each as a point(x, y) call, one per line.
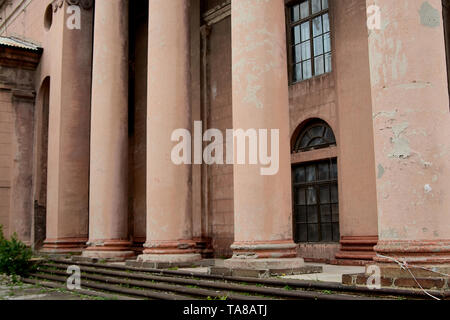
point(220, 271)
point(249, 273)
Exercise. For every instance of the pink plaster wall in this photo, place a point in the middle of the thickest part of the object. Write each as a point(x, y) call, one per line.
point(411, 121)
point(6, 131)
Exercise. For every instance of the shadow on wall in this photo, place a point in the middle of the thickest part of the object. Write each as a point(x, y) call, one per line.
point(41, 157)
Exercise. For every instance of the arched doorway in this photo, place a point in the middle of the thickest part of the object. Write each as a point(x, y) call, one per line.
point(315, 185)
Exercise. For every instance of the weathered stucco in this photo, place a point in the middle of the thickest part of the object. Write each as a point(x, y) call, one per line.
point(411, 123)
point(386, 101)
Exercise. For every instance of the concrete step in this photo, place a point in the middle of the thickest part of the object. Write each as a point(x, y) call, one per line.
point(147, 283)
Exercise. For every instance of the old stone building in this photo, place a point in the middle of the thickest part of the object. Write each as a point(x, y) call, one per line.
point(91, 93)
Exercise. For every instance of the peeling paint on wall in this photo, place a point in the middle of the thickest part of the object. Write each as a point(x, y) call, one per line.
point(401, 148)
point(389, 233)
point(416, 85)
point(429, 16)
point(386, 114)
point(380, 171)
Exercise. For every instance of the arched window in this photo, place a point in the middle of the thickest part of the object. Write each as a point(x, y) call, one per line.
point(316, 135)
point(315, 188)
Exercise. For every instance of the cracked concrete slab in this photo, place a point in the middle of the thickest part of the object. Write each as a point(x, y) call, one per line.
point(331, 273)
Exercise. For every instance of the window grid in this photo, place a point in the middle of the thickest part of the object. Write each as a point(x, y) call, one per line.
point(316, 203)
point(318, 135)
point(309, 31)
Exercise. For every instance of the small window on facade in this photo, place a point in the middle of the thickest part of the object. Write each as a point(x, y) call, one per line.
point(310, 39)
point(317, 135)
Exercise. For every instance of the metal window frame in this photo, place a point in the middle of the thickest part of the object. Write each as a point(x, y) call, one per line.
point(290, 46)
point(305, 130)
point(316, 185)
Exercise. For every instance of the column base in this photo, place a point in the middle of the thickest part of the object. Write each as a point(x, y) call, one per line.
point(203, 246)
point(169, 258)
point(63, 246)
point(389, 270)
point(138, 245)
point(272, 257)
point(356, 250)
point(109, 250)
point(268, 264)
point(427, 277)
point(263, 268)
point(424, 252)
point(182, 251)
point(264, 250)
point(408, 264)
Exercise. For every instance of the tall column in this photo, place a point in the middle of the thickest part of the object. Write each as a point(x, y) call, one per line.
point(357, 190)
point(108, 207)
point(262, 203)
point(169, 199)
point(68, 61)
point(411, 132)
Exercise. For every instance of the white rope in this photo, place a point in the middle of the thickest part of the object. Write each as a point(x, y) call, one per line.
point(442, 274)
point(404, 266)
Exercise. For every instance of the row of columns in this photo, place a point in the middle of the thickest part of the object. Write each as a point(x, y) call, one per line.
point(414, 98)
point(262, 203)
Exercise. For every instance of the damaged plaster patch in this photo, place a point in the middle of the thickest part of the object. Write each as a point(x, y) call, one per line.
point(390, 233)
point(380, 171)
point(415, 85)
point(426, 164)
point(385, 114)
point(401, 149)
point(429, 16)
point(214, 91)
